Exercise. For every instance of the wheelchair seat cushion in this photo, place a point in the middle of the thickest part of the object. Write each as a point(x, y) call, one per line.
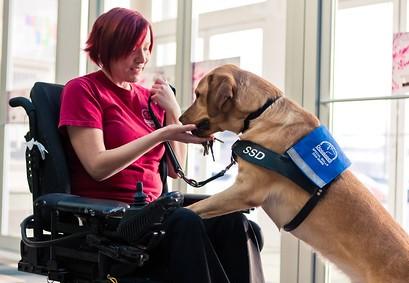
point(81, 205)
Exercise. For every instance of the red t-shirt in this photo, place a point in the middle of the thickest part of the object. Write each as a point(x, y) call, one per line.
point(93, 101)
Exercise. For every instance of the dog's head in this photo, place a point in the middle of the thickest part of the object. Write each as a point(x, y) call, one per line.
point(224, 98)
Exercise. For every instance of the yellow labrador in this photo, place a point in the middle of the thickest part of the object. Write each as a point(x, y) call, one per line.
point(348, 226)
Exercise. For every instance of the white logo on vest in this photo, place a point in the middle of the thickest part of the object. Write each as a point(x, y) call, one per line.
point(325, 153)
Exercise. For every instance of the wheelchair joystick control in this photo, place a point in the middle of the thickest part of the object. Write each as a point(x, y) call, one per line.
point(140, 196)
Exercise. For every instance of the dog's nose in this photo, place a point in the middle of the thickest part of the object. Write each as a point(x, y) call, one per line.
point(202, 126)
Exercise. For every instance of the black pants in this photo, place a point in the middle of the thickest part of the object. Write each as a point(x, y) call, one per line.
point(214, 250)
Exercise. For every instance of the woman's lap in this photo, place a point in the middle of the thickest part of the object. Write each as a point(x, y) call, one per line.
point(202, 250)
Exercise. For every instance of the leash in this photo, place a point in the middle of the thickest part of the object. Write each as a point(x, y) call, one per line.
point(175, 163)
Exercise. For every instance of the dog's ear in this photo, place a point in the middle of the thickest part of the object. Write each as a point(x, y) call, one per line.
point(219, 101)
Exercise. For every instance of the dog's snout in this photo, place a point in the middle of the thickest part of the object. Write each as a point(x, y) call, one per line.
point(203, 125)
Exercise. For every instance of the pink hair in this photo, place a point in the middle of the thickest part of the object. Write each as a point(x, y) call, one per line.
point(115, 34)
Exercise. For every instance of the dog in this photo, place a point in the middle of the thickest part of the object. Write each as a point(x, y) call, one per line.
point(348, 225)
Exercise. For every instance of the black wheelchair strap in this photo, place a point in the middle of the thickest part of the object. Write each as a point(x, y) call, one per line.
point(282, 164)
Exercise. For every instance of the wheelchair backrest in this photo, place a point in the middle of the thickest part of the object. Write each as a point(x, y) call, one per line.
point(51, 175)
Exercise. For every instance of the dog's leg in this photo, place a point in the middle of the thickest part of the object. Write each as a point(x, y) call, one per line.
point(235, 198)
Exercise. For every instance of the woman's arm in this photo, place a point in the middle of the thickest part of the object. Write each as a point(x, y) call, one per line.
point(101, 163)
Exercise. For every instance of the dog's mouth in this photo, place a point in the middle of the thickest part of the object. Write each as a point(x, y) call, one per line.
point(202, 128)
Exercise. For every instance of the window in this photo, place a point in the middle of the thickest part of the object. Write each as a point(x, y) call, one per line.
point(215, 5)
point(220, 39)
point(32, 38)
point(365, 117)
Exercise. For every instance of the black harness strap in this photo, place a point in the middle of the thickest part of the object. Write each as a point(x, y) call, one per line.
point(306, 210)
point(283, 165)
point(271, 160)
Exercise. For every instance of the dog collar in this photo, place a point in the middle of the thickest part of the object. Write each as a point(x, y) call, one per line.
point(313, 163)
point(258, 112)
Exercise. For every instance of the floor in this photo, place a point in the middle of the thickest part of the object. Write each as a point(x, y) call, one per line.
point(9, 272)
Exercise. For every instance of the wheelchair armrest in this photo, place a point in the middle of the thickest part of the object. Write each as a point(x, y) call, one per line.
point(81, 205)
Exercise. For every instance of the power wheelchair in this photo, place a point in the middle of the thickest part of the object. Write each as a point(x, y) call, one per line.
point(76, 239)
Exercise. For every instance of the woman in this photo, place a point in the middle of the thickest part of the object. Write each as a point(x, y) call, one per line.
point(113, 144)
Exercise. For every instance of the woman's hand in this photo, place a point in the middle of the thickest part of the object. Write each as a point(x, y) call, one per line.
point(181, 133)
point(163, 95)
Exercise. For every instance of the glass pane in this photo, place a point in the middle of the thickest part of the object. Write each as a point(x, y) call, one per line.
point(163, 58)
point(336, 275)
point(369, 144)
point(405, 137)
point(363, 50)
point(164, 10)
point(250, 51)
point(363, 68)
point(32, 58)
point(220, 40)
point(165, 54)
point(33, 41)
point(217, 5)
point(16, 191)
point(109, 4)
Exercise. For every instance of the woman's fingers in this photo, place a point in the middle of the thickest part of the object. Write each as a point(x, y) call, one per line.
point(161, 93)
point(182, 133)
point(189, 138)
point(160, 80)
point(187, 127)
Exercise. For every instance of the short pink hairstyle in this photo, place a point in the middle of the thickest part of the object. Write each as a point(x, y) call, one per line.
point(115, 34)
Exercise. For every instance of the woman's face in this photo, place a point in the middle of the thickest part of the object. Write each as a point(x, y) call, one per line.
point(129, 68)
